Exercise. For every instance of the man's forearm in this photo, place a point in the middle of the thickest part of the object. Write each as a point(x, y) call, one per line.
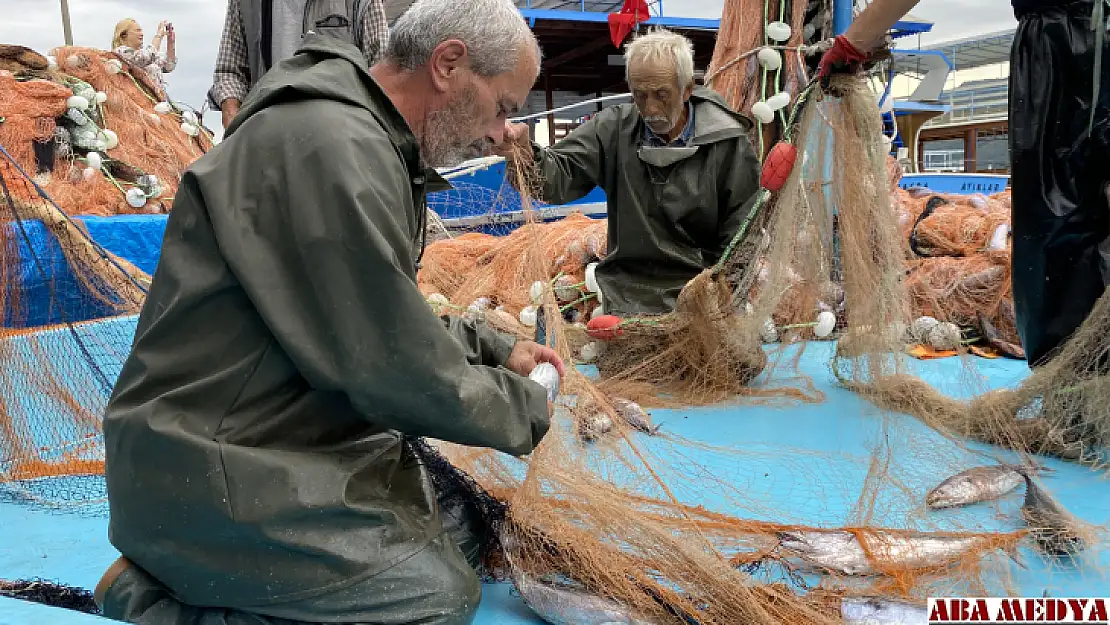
point(869, 28)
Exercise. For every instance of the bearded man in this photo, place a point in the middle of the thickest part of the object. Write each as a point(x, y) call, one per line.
point(261, 454)
point(678, 170)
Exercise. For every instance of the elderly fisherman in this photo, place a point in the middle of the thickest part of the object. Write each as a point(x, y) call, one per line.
point(261, 461)
point(677, 168)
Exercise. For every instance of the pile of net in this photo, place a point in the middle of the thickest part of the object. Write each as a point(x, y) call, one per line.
point(95, 132)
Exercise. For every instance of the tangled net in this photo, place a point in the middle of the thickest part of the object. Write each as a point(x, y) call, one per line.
point(603, 506)
point(100, 138)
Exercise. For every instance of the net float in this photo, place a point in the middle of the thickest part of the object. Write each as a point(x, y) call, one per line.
point(778, 165)
point(604, 327)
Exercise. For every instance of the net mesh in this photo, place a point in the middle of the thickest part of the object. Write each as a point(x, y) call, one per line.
point(676, 530)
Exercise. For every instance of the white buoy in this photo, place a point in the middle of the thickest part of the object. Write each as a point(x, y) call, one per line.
point(826, 323)
point(779, 100)
point(88, 173)
point(763, 112)
point(999, 238)
point(101, 97)
point(73, 61)
point(600, 297)
point(190, 117)
point(163, 107)
point(482, 303)
point(189, 129)
point(944, 336)
point(770, 59)
point(769, 333)
point(528, 316)
point(536, 291)
point(113, 66)
point(154, 119)
point(94, 160)
point(565, 291)
point(77, 102)
point(110, 138)
point(136, 198)
point(778, 31)
point(588, 353)
point(591, 278)
point(920, 328)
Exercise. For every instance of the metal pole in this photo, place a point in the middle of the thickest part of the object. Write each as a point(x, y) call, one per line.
point(65, 23)
point(842, 15)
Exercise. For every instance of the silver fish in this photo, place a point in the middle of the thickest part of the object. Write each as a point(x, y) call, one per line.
point(1052, 528)
point(569, 604)
point(977, 484)
point(840, 552)
point(634, 415)
point(882, 612)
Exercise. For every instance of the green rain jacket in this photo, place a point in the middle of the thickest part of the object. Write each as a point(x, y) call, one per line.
point(668, 220)
point(255, 438)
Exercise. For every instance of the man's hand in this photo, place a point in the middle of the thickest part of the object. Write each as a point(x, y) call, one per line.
point(842, 54)
point(527, 354)
point(516, 137)
point(230, 109)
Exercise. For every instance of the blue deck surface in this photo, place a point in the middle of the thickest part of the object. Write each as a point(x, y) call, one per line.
point(781, 484)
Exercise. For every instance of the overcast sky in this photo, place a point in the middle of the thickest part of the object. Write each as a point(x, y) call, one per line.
point(37, 24)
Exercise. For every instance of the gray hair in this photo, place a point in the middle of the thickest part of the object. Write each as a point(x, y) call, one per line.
point(663, 46)
point(494, 32)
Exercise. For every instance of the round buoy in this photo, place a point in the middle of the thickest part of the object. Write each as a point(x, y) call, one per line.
point(136, 198)
point(778, 165)
point(826, 323)
point(528, 316)
point(763, 112)
point(604, 327)
point(591, 278)
point(778, 31)
point(770, 59)
point(779, 101)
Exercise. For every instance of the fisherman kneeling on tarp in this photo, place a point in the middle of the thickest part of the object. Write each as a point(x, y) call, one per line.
point(677, 168)
point(261, 465)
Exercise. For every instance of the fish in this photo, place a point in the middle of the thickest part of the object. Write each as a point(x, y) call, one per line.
point(634, 415)
point(1050, 526)
point(977, 484)
point(568, 603)
point(868, 611)
point(839, 551)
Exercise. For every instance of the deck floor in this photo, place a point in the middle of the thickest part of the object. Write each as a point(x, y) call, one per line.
point(74, 548)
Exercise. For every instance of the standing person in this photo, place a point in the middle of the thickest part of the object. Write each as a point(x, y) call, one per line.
point(259, 34)
point(260, 454)
point(127, 42)
point(1059, 127)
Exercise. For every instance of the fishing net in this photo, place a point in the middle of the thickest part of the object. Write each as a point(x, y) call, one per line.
point(98, 136)
point(677, 530)
point(602, 508)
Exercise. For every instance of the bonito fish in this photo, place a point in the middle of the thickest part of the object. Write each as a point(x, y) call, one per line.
point(634, 415)
point(882, 612)
point(568, 604)
point(978, 484)
point(840, 552)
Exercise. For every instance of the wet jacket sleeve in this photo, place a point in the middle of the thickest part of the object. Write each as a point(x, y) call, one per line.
point(482, 344)
point(738, 185)
point(571, 168)
point(322, 242)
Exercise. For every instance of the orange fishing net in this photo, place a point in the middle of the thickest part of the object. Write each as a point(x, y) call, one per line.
point(147, 141)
